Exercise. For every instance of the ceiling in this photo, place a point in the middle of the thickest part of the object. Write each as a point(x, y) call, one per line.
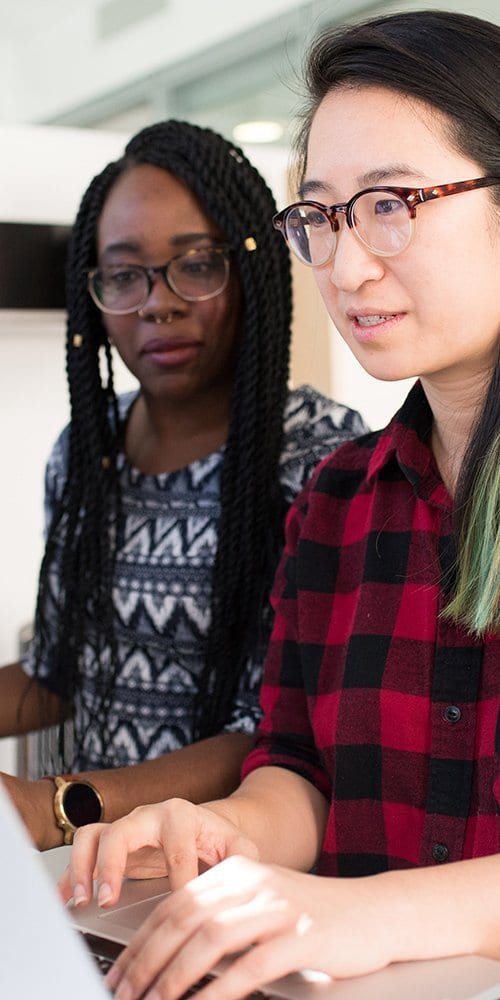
point(221, 83)
point(23, 17)
point(120, 64)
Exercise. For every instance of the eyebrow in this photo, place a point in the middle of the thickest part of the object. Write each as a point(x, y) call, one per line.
point(381, 175)
point(133, 246)
point(183, 239)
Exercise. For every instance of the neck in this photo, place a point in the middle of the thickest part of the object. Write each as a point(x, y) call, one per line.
point(165, 435)
point(456, 405)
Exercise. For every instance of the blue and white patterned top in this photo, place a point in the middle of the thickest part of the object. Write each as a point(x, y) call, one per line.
point(162, 586)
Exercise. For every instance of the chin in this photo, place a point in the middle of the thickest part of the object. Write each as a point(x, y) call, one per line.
point(392, 377)
point(385, 370)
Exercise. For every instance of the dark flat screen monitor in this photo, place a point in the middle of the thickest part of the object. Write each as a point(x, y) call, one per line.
point(32, 265)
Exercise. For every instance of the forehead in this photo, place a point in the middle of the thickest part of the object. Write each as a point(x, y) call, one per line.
point(147, 195)
point(364, 129)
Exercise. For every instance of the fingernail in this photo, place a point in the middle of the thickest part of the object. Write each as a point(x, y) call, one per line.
point(124, 991)
point(104, 893)
point(79, 895)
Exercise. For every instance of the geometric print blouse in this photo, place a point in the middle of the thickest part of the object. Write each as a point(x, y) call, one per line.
point(162, 587)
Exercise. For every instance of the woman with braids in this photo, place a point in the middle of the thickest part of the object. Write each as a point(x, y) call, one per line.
point(377, 757)
point(165, 506)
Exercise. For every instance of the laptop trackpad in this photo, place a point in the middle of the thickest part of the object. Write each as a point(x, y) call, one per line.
point(132, 916)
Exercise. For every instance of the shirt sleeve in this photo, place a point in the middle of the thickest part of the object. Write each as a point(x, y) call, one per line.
point(314, 427)
point(285, 737)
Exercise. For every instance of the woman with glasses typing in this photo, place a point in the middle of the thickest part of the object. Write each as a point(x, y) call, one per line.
point(165, 507)
point(376, 761)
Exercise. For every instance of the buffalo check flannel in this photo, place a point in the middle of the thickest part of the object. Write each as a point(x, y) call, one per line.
point(388, 708)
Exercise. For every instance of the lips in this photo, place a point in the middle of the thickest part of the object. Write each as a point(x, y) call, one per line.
point(170, 352)
point(369, 325)
point(369, 317)
point(160, 345)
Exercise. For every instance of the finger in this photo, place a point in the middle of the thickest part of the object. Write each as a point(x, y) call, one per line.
point(118, 843)
point(77, 880)
point(259, 966)
point(194, 836)
point(167, 931)
point(179, 831)
point(154, 944)
point(223, 932)
point(64, 886)
point(202, 953)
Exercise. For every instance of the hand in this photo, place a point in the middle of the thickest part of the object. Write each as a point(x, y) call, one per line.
point(340, 927)
point(169, 838)
point(34, 803)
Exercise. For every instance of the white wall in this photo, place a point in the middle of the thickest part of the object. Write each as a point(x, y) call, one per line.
point(34, 410)
point(376, 400)
point(43, 173)
point(53, 71)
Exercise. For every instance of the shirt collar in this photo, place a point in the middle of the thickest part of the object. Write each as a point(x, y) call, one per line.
point(406, 439)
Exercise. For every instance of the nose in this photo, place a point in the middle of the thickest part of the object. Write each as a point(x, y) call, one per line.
point(352, 263)
point(162, 299)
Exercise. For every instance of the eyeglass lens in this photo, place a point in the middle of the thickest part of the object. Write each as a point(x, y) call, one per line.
point(380, 220)
point(194, 276)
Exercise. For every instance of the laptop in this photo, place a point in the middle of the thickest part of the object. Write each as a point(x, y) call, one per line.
point(43, 956)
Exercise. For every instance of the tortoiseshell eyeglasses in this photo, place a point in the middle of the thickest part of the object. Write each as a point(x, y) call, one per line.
point(382, 218)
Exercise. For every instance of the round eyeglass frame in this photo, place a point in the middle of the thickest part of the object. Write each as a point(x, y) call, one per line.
point(163, 270)
point(411, 198)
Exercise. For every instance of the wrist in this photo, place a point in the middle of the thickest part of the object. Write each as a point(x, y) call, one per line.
point(428, 914)
point(75, 802)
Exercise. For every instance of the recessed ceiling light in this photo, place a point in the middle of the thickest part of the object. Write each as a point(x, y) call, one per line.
point(258, 131)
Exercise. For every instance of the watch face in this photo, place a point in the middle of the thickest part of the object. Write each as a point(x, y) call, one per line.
point(81, 804)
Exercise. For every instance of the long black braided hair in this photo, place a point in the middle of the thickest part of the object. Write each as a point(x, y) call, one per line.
point(87, 523)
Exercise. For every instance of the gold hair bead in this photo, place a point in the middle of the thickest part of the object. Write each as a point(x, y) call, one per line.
point(250, 243)
point(77, 340)
point(105, 462)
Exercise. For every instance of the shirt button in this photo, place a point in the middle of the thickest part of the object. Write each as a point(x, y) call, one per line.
point(452, 713)
point(440, 852)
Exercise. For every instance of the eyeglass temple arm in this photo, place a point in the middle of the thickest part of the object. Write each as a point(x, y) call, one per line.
point(442, 190)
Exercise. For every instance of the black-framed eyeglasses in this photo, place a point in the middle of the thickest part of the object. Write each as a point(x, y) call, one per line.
point(382, 218)
point(195, 276)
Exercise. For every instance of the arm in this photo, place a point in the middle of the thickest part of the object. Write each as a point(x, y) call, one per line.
point(207, 769)
point(283, 921)
point(275, 805)
point(275, 815)
point(26, 705)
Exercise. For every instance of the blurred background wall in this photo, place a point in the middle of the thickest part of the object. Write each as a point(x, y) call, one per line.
point(77, 77)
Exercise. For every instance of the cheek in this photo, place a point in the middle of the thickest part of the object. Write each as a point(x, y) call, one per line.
point(115, 326)
point(327, 290)
point(221, 319)
point(120, 332)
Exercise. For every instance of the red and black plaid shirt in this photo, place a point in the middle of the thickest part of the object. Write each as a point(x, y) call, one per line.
point(389, 709)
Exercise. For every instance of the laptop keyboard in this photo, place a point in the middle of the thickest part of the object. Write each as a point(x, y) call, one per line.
point(257, 995)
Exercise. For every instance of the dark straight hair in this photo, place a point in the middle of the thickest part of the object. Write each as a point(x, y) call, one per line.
point(87, 524)
point(452, 62)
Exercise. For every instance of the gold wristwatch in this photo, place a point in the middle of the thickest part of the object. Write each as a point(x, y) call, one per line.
point(76, 803)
